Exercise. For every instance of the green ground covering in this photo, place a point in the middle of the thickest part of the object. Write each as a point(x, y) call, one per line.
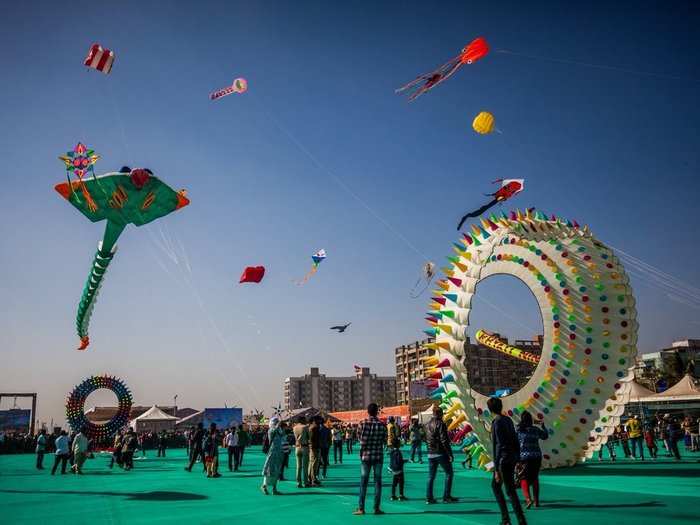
point(160, 491)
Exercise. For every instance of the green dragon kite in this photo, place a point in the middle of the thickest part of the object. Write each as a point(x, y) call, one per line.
point(127, 197)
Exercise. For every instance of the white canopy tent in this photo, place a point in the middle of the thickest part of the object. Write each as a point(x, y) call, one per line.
point(153, 420)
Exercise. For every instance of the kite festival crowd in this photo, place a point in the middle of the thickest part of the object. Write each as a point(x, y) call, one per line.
point(314, 443)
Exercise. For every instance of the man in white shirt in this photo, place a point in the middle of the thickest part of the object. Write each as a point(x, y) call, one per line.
point(80, 448)
point(231, 444)
point(62, 452)
point(40, 449)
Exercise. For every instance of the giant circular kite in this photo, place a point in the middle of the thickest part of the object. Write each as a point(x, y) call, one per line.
point(581, 380)
point(75, 407)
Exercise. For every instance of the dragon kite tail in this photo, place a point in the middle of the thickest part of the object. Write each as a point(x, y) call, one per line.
point(307, 276)
point(90, 292)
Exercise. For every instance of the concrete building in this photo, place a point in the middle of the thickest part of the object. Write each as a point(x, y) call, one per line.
point(409, 370)
point(334, 394)
point(490, 370)
point(659, 370)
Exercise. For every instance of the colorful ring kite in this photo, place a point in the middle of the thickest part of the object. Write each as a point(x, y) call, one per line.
point(75, 407)
point(581, 384)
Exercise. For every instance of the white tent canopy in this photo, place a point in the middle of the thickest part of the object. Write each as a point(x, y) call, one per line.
point(153, 420)
point(638, 391)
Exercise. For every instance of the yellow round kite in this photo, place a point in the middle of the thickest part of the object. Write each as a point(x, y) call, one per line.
point(484, 123)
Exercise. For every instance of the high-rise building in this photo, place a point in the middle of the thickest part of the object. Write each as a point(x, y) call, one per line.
point(409, 370)
point(336, 394)
point(489, 370)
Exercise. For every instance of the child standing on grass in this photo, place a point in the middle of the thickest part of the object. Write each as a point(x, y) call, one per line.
point(396, 462)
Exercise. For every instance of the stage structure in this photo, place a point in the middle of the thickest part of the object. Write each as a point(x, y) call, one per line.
point(32, 420)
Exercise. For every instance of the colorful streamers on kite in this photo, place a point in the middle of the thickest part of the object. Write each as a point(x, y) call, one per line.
point(317, 258)
point(100, 59)
point(475, 50)
point(240, 85)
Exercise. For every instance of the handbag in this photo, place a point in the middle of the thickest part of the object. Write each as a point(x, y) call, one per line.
point(519, 472)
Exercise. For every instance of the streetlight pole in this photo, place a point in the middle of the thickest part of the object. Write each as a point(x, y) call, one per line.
point(175, 403)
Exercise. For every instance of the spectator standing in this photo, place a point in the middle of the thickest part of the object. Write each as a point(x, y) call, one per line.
point(506, 453)
point(80, 447)
point(286, 448)
point(40, 449)
point(162, 443)
point(243, 442)
point(416, 435)
point(634, 430)
point(393, 432)
point(349, 438)
point(675, 434)
point(337, 435)
point(62, 452)
point(372, 436)
point(117, 449)
point(396, 462)
point(196, 446)
point(326, 442)
point(650, 438)
point(211, 452)
point(231, 444)
point(530, 457)
point(315, 450)
point(439, 455)
point(301, 445)
point(130, 444)
point(275, 456)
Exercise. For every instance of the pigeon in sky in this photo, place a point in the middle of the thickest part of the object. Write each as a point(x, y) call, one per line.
point(341, 328)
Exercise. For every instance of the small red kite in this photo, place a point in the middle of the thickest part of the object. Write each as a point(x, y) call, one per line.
point(252, 274)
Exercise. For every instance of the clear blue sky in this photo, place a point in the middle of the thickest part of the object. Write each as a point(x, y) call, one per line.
point(616, 150)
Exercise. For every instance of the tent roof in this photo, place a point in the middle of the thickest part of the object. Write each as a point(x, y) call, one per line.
point(155, 414)
point(637, 391)
point(686, 386)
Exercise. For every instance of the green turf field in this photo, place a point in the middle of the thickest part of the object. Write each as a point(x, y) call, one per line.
point(160, 491)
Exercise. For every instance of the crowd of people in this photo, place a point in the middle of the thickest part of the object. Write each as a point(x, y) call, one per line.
point(633, 435)
point(516, 454)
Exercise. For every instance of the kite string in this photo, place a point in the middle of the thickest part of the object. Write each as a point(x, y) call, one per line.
point(596, 66)
point(339, 181)
point(168, 248)
point(187, 281)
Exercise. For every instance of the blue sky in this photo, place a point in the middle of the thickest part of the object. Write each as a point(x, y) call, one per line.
point(617, 150)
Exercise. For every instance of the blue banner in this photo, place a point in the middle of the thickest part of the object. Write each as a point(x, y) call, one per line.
point(15, 420)
point(223, 417)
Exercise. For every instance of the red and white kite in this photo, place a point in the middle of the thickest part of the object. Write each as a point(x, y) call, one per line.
point(100, 58)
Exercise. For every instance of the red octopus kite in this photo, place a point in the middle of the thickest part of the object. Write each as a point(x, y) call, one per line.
point(476, 49)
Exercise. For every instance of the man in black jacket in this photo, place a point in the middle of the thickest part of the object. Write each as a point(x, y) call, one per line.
point(506, 453)
point(439, 454)
point(196, 450)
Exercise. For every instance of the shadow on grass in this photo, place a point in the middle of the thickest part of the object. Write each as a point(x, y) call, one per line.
point(157, 495)
point(642, 505)
point(670, 470)
point(473, 512)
